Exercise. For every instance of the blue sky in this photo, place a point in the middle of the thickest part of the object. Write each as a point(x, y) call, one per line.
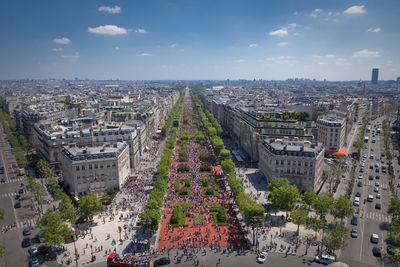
point(199, 39)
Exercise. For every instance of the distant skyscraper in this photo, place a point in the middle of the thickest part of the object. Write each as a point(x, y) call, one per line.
point(375, 73)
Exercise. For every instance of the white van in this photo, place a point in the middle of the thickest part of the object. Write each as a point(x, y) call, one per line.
point(370, 198)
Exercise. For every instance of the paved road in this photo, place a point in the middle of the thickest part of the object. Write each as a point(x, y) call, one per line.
point(371, 220)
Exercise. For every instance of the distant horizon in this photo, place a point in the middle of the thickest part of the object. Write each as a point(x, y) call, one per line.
point(336, 40)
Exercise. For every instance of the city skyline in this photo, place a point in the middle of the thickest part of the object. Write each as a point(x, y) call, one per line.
point(186, 40)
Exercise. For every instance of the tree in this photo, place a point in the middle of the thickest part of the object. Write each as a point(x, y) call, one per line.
point(277, 183)
point(283, 195)
point(342, 208)
point(52, 184)
point(322, 205)
point(44, 169)
point(224, 154)
point(149, 219)
point(336, 236)
point(300, 216)
point(309, 196)
point(394, 208)
point(228, 166)
point(67, 210)
point(54, 229)
point(38, 191)
point(89, 206)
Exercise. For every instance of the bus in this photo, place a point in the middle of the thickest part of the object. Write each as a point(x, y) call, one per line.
point(366, 139)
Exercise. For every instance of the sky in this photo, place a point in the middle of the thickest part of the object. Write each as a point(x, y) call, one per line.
point(199, 39)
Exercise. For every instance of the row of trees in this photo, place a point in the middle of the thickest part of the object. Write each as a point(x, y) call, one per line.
point(18, 142)
point(150, 217)
point(394, 230)
point(172, 116)
point(285, 196)
point(253, 213)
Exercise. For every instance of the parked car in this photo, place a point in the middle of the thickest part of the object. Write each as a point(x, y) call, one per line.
point(21, 191)
point(17, 205)
point(354, 233)
point(26, 231)
point(374, 238)
point(378, 196)
point(358, 194)
point(26, 242)
point(377, 252)
point(376, 189)
point(33, 262)
point(354, 220)
point(43, 249)
point(325, 259)
point(33, 250)
point(17, 197)
point(262, 257)
point(359, 184)
point(162, 261)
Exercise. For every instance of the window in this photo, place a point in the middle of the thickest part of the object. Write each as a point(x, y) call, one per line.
point(77, 168)
point(306, 163)
point(311, 164)
point(83, 167)
point(95, 166)
point(108, 165)
point(113, 165)
point(277, 162)
point(101, 166)
point(90, 166)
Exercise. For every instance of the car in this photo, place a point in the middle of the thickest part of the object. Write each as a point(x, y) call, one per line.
point(378, 196)
point(384, 170)
point(43, 249)
point(354, 220)
point(262, 257)
point(377, 170)
point(162, 261)
point(361, 169)
point(371, 167)
point(33, 262)
point(17, 197)
point(362, 164)
point(21, 191)
point(371, 156)
point(358, 194)
point(17, 205)
point(374, 238)
point(360, 176)
point(378, 206)
point(370, 177)
point(365, 156)
point(370, 198)
point(325, 259)
point(359, 184)
point(356, 203)
point(26, 242)
point(378, 177)
point(26, 231)
point(377, 165)
point(376, 189)
point(354, 233)
point(377, 252)
point(32, 250)
point(376, 183)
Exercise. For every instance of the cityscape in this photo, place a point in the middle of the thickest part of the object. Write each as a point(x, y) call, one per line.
point(200, 133)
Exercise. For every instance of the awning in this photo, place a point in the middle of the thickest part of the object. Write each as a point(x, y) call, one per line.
point(341, 152)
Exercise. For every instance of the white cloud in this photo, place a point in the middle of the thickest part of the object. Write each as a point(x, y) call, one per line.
point(76, 56)
point(57, 49)
point(355, 10)
point(63, 40)
point(330, 13)
point(282, 44)
point(322, 63)
point(110, 10)
point(142, 31)
point(252, 45)
point(296, 34)
point(292, 25)
point(144, 55)
point(374, 30)
point(325, 56)
point(239, 60)
point(316, 12)
point(280, 32)
point(280, 59)
point(117, 48)
point(307, 28)
point(108, 30)
point(366, 53)
point(342, 61)
point(172, 45)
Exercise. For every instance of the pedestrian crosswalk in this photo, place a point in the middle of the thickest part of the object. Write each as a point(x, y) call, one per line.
point(19, 225)
point(7, 181)
point(5, 195)
point(381, 185)
point(377, 216)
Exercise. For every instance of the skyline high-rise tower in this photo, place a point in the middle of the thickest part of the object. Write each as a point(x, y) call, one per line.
point(374, 79)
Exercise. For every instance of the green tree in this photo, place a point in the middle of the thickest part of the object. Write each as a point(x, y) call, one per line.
point(150, 218)
point(44, 169)
point(394, 208)
point(336, 236)
point(283, 195)
point(322, 205)
point(89, 206)
point(52, 184)
point(309, 196)
point(38, 191)
point(394, 231)
point(300, 216)
point(228, 166)
point(67, 210)
point(54, 229)
point(224, 154)
point(342, 208)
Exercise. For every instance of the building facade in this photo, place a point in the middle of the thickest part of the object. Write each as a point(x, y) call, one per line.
point(93, 169)
point(331, 133)
point(299, 161)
